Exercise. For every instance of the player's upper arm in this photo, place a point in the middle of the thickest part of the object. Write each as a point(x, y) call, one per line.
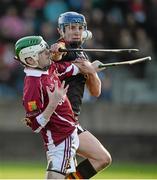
point(93, 84)
point(32, 101)
point(66, 69)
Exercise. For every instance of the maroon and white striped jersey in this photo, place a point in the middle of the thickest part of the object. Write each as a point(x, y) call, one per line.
point(35, 100)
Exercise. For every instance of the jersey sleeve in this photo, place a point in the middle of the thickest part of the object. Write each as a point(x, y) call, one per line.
point(32, 101)
point(66, 69)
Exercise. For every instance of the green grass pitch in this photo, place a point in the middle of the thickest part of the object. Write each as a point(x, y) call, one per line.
point(36, 170)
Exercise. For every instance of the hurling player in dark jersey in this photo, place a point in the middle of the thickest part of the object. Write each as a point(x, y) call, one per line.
point(71, 26)
point(48, 109)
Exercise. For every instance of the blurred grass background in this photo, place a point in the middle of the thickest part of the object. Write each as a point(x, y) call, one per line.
point(36, 170)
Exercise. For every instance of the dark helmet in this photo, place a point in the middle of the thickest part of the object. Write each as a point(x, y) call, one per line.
point(71, 17)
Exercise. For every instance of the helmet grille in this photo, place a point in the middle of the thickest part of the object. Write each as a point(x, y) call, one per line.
point(26, 42)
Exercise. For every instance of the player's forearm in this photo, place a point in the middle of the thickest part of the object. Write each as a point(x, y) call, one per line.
point(93, 84)
point(49, 111)
point(44, 118)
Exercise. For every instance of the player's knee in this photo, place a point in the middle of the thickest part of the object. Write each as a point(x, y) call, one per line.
point(108, 160)
point(105, 160)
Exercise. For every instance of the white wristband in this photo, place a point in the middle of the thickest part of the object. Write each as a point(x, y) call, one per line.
point(41, 120)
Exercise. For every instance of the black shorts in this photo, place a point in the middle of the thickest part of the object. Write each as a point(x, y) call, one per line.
point(80, 129)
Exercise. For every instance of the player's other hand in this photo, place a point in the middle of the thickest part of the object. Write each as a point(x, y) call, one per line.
point(58, 94)
point(84, 66)
point(96, 64)
point(54, 49)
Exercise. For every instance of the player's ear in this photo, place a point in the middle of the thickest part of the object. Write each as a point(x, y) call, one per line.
point(30, 61)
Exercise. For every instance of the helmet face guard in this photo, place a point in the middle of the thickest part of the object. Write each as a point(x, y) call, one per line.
point(30, 46)
point(69, 18)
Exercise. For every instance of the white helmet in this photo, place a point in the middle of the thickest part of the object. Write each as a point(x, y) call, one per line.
point(30, 46)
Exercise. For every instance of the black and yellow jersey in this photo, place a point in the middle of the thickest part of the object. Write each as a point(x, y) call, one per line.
point(76, 83)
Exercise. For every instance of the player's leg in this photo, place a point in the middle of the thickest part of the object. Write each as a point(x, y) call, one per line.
point(61, 158)
point(97, 156)
point(91, 148)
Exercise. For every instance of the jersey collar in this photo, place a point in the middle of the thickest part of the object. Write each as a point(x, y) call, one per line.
point(34, 72)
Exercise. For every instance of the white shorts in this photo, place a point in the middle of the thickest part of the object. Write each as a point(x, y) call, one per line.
point(61, 158)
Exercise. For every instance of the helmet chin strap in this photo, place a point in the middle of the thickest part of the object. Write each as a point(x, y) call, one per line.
point(44, 68)
point(36, 66)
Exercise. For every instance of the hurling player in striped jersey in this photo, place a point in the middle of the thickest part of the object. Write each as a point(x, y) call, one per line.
point(48, 110)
